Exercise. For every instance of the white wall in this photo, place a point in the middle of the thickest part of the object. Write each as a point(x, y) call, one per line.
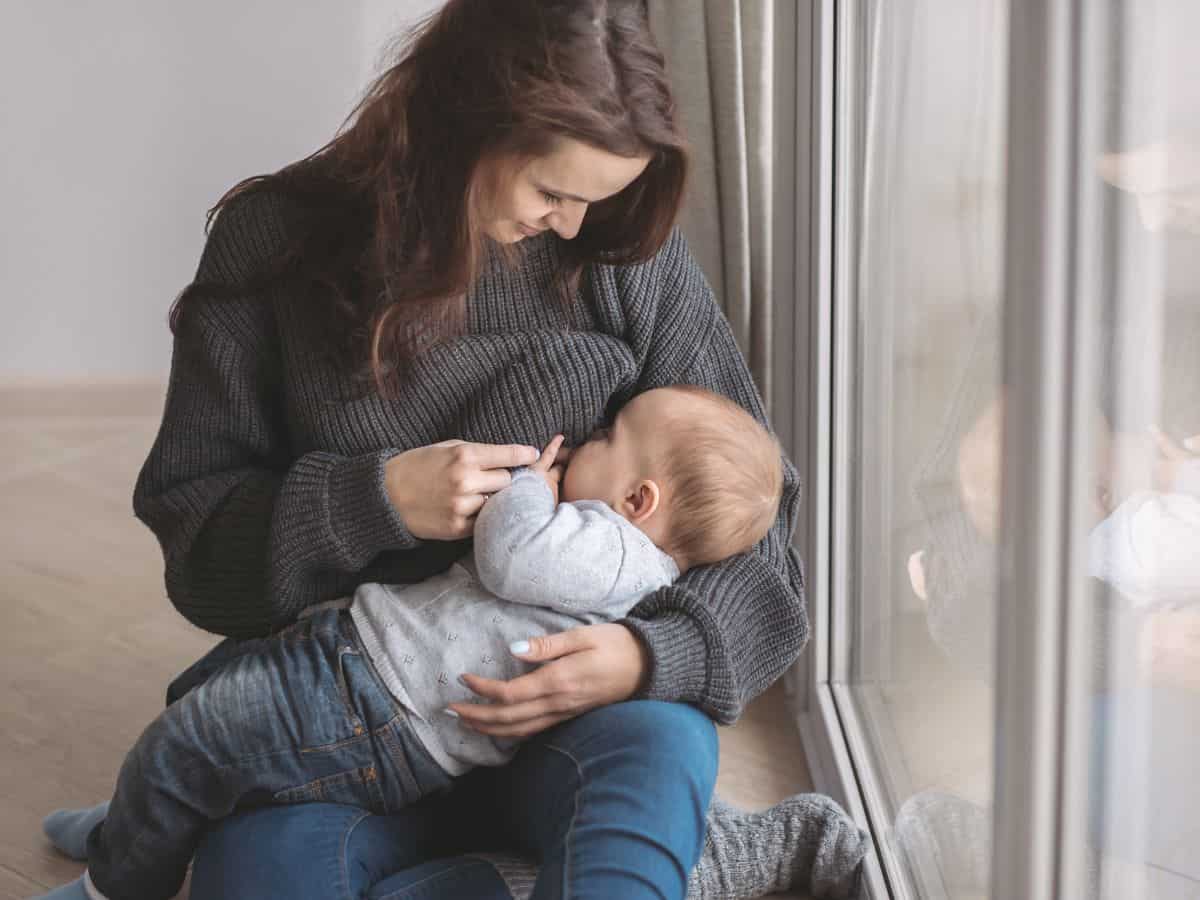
point(384, 19)
point(124, 122)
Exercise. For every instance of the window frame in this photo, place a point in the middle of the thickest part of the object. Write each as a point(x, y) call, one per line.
point(1041, 705)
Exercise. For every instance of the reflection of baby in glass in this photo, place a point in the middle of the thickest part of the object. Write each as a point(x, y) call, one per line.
point(349, 705)
point(1145, 543)
point(1145, 540)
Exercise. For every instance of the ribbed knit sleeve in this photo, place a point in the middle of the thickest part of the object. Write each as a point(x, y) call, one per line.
point(250, 535)
point(722, 633)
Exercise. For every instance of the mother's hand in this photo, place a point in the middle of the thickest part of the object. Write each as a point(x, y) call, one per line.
point(438, 490)
point(584, 668)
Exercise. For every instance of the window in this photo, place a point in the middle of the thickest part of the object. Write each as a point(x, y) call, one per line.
point(1004, 501)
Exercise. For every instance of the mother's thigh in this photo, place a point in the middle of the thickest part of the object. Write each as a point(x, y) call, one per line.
point(310, 851)
point(612, 802)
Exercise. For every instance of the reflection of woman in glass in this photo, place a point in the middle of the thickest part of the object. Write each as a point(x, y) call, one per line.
point(1144, 537)
point(1144, 554)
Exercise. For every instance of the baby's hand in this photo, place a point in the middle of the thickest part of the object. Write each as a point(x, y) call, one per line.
point(548, 467)
point(1172, 457)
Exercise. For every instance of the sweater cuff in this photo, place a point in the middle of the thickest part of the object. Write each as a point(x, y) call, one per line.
point(678, 671)
point(361, 514)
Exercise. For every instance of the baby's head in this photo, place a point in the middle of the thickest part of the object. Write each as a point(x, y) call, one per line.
point(692, 469)
point(980, 466)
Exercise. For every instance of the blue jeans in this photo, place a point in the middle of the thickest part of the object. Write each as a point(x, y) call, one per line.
point(610, 804)
point(298, 717)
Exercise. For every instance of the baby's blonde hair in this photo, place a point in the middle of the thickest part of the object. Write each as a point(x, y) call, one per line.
point(723, 473)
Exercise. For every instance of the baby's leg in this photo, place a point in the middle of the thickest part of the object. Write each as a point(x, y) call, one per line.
point(276, 724)
point(68, 829)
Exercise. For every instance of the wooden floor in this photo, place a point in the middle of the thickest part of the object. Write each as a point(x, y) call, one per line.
point(88, 640)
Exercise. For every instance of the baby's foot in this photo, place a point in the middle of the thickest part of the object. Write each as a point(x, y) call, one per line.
point(73, 891)
point(518, 872)
point(806, 842)
point(68, 829)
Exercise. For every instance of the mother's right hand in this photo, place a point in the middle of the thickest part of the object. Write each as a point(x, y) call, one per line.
point(438, 490)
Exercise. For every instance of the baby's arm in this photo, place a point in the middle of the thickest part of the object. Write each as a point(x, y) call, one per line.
point(565, 556)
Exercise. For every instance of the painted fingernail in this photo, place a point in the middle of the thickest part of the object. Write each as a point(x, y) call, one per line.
point(451, 713)
point(519, 647)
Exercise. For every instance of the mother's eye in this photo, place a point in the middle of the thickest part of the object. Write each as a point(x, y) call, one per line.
point(551, 198)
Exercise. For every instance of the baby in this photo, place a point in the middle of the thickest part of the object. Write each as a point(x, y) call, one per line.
point(349, 705)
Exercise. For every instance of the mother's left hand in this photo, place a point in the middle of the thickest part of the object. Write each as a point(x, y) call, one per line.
point(584, 668)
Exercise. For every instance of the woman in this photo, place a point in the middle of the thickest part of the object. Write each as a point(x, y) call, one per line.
point(483, 257)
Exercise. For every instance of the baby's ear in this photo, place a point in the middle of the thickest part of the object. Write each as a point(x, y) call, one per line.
point(643, 500)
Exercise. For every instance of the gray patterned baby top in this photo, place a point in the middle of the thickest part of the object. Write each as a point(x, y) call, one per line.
point(536, 568)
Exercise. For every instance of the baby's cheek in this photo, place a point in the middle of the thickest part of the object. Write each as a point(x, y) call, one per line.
point(566, 490)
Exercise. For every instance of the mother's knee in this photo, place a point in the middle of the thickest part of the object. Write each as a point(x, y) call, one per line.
point(633, 782)
point(671, 738)
point(292, 851)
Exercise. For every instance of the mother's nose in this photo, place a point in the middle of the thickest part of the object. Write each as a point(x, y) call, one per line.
point(568, 220)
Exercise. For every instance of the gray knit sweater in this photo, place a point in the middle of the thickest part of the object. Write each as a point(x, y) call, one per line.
point(265, 484)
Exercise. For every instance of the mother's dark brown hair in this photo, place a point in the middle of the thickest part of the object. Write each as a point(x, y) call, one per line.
point(388, 234)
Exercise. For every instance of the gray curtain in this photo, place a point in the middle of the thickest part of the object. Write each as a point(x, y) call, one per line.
point(719, 58)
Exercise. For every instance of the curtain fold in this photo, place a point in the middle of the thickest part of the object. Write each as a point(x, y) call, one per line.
point(719, 58)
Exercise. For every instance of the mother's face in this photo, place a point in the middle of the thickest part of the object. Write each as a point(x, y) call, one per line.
point(554, 191)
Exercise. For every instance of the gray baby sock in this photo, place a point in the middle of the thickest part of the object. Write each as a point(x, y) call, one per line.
point(73, 891)
point(519, 873)
point(805, 842)
point(68, 829)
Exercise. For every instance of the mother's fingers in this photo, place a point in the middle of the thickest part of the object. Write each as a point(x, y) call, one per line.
point(520, 707)
point(503, 714)
point(524, 729)
point(491, 463)
point(488, 482)
point(532, 686)
point(502, 456)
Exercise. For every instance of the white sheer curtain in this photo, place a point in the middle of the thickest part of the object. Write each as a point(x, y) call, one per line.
point(719, 57)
